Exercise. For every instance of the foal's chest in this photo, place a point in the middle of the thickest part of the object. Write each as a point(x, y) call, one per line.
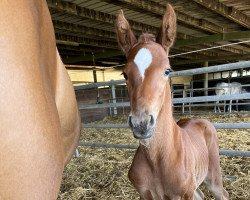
point(168, 186)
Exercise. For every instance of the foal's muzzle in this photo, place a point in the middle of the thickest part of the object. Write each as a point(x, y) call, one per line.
point(142, 128)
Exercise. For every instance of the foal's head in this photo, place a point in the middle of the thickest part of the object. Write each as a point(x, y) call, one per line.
point(146, 71)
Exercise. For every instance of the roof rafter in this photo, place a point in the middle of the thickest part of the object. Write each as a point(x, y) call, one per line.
point(106, 54)
point(228, 12)
point(113, 45)
point(214, 38)
point(221, 50)
point(87, 41)
point(80, 48)
point(158, 10)
point(212, 59)
point(83, 29)
point(107, 44)
point(73, 9)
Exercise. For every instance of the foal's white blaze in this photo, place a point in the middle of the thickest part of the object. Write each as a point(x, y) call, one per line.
point(143, 59)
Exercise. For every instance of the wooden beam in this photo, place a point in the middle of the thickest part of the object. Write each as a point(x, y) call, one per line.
point(87, 41)
point(85, 13)
point(80, 48)
point(83, 30)
point(157, 10)
point(84, 58)
point(78, 11)
point(210, 59)
point(228, 12)
point(69, 43)
point(214, 38)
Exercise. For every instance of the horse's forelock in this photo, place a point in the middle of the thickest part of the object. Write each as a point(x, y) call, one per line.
point(146, 37)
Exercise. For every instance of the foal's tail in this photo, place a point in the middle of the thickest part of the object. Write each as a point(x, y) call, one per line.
point(214, 177)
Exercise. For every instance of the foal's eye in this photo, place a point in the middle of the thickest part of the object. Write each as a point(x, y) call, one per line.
point(167, 71)
point(125, 75)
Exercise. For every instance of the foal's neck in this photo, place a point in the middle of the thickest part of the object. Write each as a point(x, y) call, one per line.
point(166, 137)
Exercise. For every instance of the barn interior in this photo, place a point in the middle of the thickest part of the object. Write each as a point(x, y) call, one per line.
point(209, 33)
point(85, 31)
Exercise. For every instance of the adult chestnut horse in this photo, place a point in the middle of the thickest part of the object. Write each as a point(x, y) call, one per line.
point(172, 159)
point(39, 117)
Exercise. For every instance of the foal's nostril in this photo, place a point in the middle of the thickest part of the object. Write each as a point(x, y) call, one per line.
point(130, 121)
point(152, 120)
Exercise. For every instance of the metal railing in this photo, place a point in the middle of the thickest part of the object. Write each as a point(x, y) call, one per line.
point(200, 99)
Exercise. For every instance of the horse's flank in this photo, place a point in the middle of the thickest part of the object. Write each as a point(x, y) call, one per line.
point(40, 123)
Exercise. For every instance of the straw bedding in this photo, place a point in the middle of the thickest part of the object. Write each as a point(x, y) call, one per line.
point(101, 173)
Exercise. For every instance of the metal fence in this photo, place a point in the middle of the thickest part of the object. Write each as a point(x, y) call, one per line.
point(185, 100)
point(232, 153)
point(189, 92)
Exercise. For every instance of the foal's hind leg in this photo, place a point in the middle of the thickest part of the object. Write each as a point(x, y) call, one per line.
point(214, 181)
point(214, 178)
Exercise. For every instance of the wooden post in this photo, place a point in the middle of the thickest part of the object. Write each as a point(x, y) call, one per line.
point(94, 76)
point(95, 80)
point(183, 96)
point(241, 72)
point(205, 80)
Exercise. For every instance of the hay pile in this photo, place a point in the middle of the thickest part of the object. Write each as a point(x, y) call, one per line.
point(101, 173)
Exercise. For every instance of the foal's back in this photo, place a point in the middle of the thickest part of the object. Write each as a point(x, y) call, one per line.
point(199, 130)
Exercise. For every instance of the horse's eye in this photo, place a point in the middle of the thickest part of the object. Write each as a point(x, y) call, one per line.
point(125, 75)
point(167, 71)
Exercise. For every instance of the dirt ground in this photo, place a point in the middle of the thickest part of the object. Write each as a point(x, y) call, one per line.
point(101, 173)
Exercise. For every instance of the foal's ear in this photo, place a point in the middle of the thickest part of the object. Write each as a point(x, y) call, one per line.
point(168, 28)
point(125, 37)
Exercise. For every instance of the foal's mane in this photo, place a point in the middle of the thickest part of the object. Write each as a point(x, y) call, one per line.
point(146, 37)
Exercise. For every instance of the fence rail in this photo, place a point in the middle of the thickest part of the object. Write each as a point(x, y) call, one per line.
point(216, 125)
point(100, 84)
point(218, 68)
point(134, 146)
point(202, 70)
point(175, 101)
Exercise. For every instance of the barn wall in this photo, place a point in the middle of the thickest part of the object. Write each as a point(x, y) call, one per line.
point(86, 76)
point(182, 80)
point(90, 97)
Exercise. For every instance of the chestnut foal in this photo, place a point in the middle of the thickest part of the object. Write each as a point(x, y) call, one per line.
point(172, 159)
